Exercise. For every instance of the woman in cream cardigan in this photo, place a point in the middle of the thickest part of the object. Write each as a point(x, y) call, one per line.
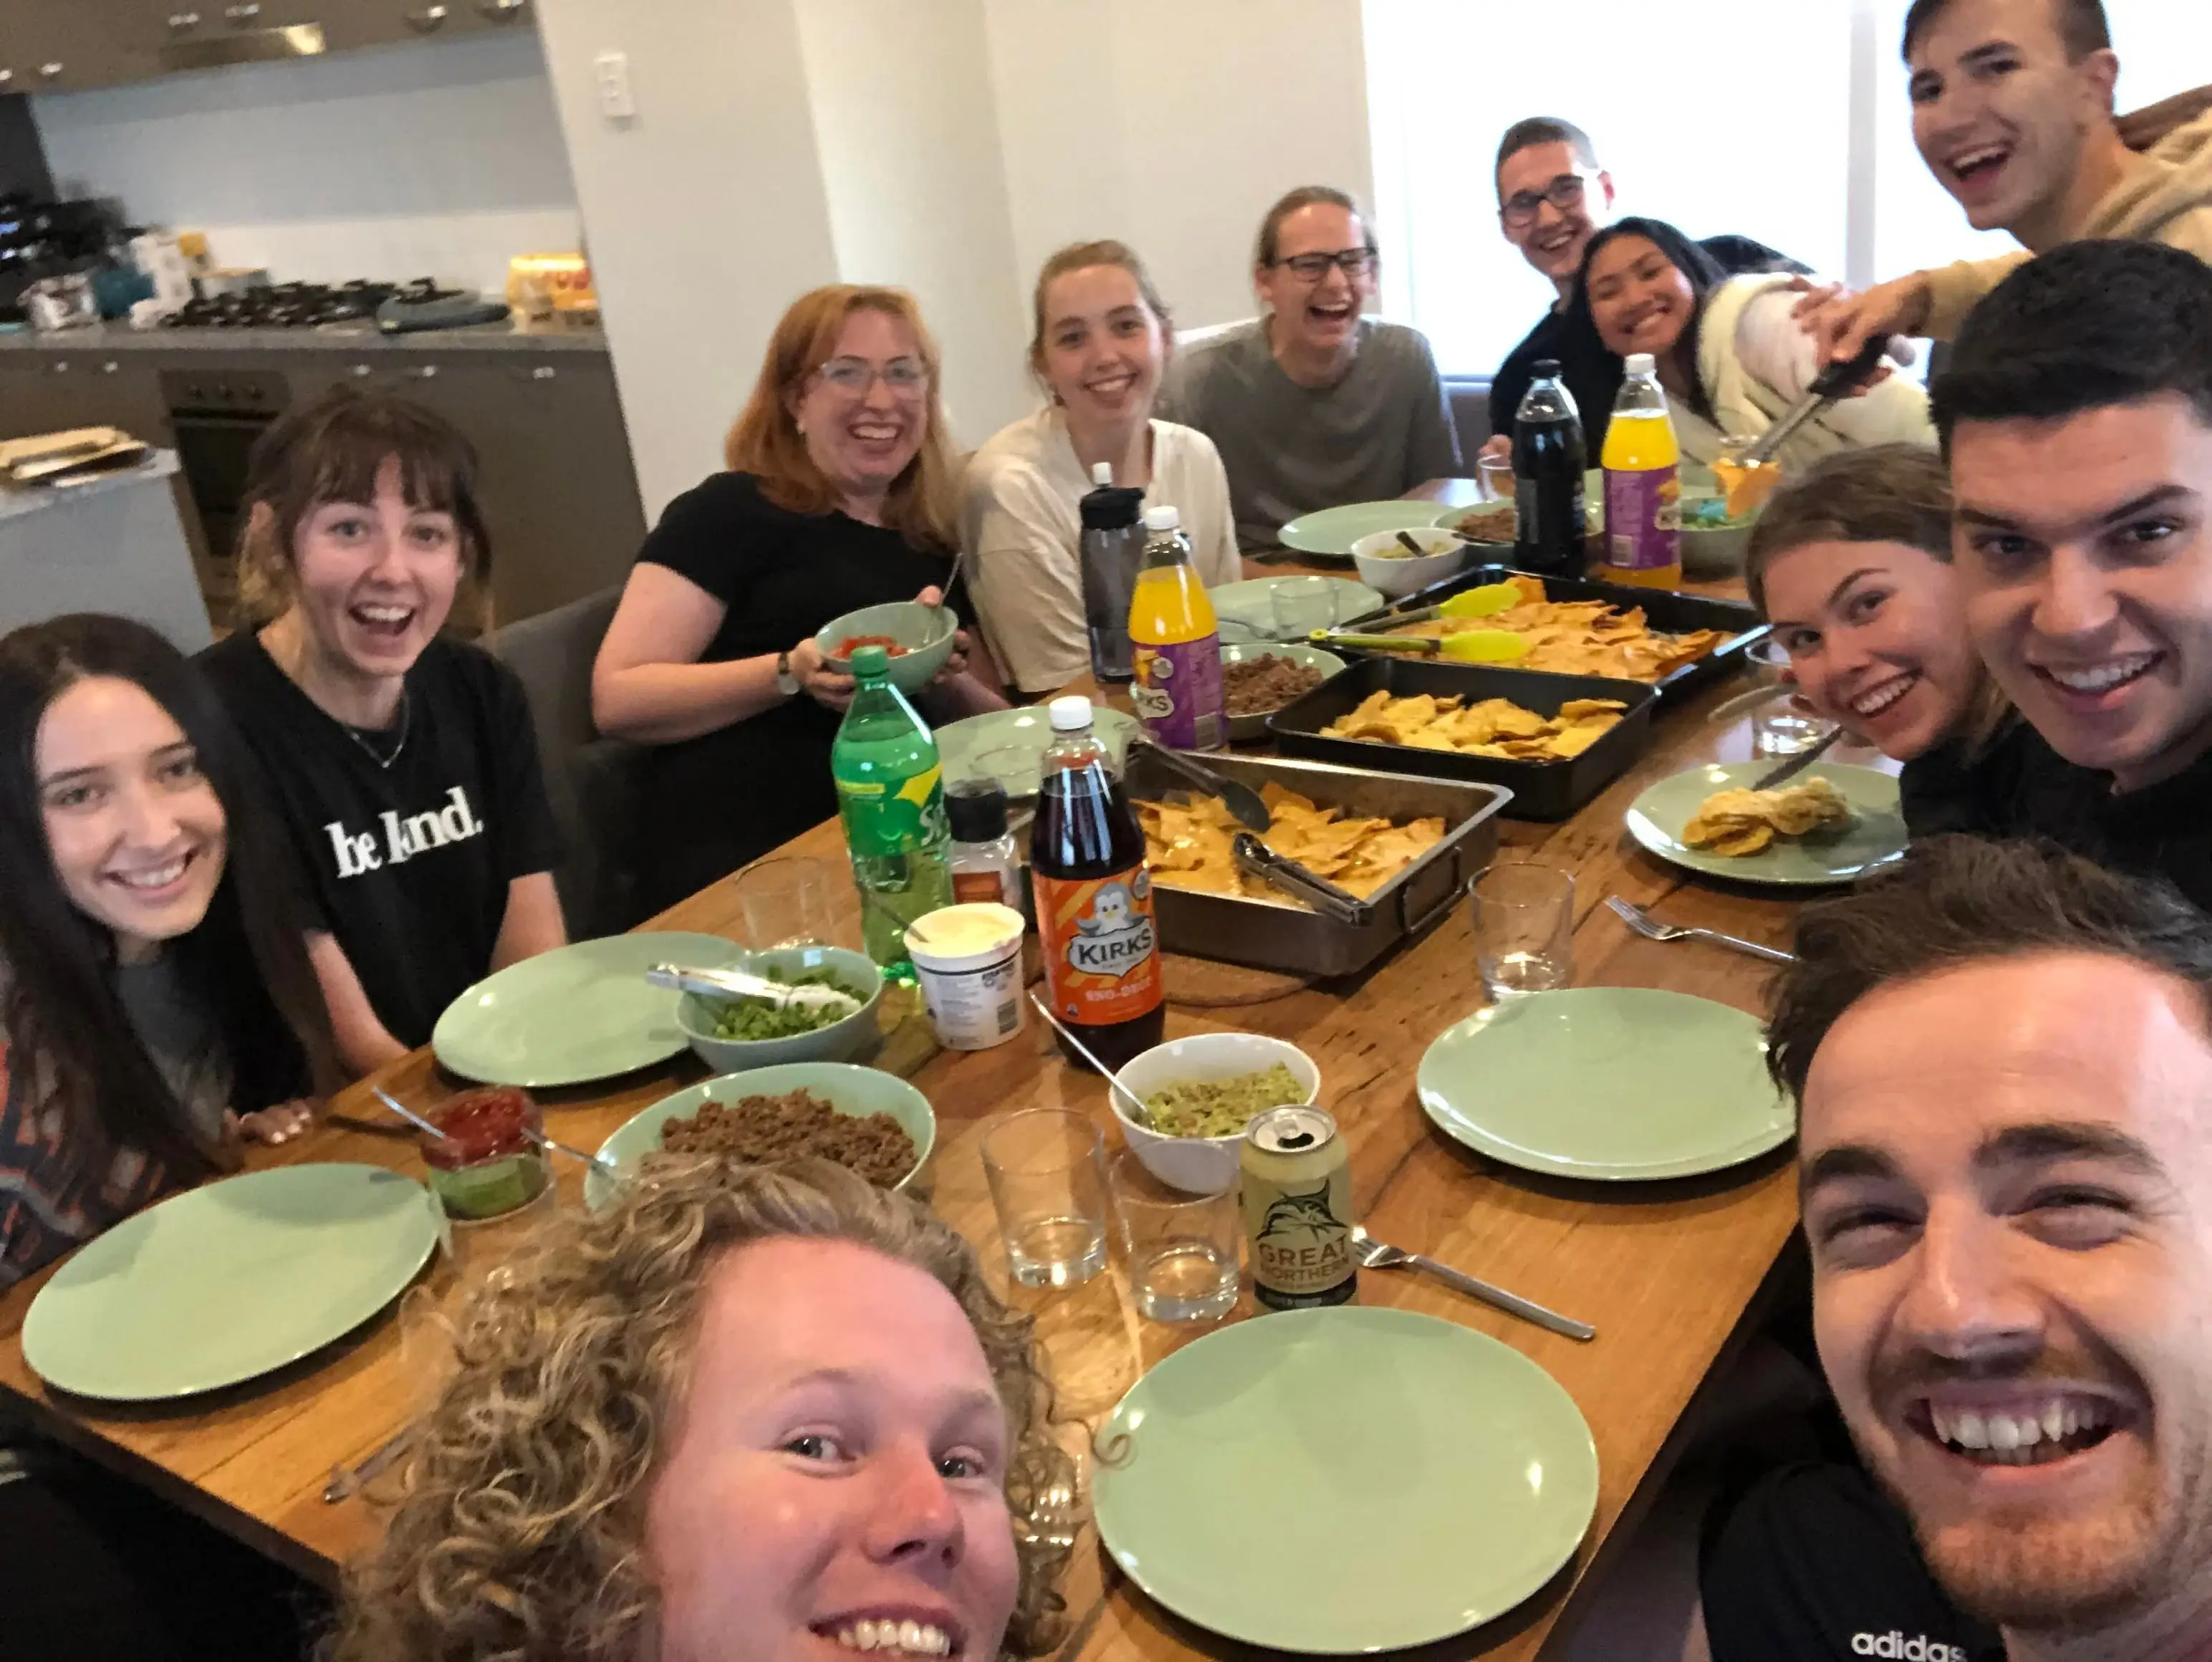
point(1731, 356)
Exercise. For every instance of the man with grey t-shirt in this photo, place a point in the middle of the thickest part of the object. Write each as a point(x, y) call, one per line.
point(1312, 405)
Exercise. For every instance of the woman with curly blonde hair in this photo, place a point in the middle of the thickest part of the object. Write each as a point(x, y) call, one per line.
point(747, 1412)
point(839, 496)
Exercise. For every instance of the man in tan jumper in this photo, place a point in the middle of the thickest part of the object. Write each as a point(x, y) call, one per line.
point(2012, 110)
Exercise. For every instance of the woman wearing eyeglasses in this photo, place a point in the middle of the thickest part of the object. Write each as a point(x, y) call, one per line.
point(839, 495)
point(1311, 405)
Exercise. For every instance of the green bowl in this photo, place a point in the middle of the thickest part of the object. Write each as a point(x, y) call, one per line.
point(841, 1041)
point(926, 631)
point(848, 1089)
point(1255, 726)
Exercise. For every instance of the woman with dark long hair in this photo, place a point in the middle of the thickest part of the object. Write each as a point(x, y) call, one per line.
point(1730, 355)
point(157, 1008)
point(156, 1002)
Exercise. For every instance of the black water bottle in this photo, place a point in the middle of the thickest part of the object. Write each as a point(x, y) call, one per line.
point(1549, 460)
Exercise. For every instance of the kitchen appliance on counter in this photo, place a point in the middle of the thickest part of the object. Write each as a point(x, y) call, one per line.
point(302, 305)
point(39, 239)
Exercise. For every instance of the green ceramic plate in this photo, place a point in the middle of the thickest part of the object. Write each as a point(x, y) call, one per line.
point(228, 1281)
point(1617, 1083)
point(847, 1088)
point(1249, 603)
point(579, 1012)
point(1027, 730)
point(1334, 530)
point(1875, 838)
point(1334, 1480)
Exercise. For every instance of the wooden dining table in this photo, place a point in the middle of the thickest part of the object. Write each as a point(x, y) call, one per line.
point(1674, 1274)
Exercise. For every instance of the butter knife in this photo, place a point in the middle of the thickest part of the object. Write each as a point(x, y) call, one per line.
point(1797, 764)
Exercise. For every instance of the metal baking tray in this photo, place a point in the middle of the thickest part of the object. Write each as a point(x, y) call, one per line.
point(1541, 790)
point(1275, 935)
point(1668, 613)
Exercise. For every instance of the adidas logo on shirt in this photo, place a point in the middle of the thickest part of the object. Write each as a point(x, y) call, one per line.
point(359, 853)
point(1914, 1649)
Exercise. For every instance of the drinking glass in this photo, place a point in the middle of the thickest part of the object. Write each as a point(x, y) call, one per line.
point(1783, 726)
point(1524, 924)
point(1303, 605)
point(1182, 1247)
point(784, 901)
point(1497, 475)
point(1047, 1168)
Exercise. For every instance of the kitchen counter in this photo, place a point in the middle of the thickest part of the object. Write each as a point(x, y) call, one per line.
point(114, 544)
point(330, 338)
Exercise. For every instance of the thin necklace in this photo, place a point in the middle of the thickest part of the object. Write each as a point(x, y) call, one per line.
point(382, 759)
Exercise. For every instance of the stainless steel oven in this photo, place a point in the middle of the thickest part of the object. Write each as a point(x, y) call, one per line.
point(217, 414)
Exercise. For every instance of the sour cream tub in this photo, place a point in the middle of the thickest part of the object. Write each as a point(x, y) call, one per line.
point(968, 960)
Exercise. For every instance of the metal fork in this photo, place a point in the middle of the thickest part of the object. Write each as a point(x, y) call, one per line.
point(343, 1484)
point(1652, 929)
point(1381, 1254)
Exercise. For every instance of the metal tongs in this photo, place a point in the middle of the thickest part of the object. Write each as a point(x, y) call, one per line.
point(1831, 385)
point(1245, 805)
point(1324, 897)
point(742, 983)
point(1242, 802)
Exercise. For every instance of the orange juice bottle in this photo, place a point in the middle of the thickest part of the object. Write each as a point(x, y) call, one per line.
point(1642, 464)
point(1176, 641)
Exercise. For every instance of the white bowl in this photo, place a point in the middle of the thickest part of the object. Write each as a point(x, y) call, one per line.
point(1396, 578)
point(1201, 1165)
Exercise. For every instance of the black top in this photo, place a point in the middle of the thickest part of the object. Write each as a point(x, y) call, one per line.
point(411, 856)
point(1816, 1565)
point(1592, 374)
point(2161, 831)
point(728, 797)
point(1986, 796)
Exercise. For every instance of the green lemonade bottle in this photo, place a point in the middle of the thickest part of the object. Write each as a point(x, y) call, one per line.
point(890, 794)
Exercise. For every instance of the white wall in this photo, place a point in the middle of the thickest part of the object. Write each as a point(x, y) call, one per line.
point(442, 158)
point(916, 180)
point(707, 212)
point(944, 145)
point(1173, 124)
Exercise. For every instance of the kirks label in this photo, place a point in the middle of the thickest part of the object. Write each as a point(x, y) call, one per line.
point(1178, 692)
point(1100, 946)
point(1644, 519)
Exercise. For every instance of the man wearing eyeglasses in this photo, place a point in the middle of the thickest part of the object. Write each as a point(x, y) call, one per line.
point(1311, 405)
point(1551, 199)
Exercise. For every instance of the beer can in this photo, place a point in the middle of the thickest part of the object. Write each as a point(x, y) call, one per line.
point(1297, 1197)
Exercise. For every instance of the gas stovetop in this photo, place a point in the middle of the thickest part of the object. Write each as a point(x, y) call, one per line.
point(300, 305)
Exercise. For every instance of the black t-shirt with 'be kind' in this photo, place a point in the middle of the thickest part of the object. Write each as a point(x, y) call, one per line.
point(411, 849)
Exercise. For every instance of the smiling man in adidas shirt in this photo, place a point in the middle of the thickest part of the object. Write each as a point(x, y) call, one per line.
point(2077, 417)
point(2003, 1061)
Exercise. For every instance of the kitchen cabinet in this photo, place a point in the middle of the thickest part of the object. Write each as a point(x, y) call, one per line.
point(47, 392)
point(555, 478)
point(62, 46)
point(375, 22)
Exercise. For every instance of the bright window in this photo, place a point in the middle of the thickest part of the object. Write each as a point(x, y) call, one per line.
point(1784, 120)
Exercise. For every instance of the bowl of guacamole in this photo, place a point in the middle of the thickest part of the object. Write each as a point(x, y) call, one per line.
point(732, 1034)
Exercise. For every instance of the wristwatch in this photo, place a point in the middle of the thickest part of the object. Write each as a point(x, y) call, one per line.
point(786, 682)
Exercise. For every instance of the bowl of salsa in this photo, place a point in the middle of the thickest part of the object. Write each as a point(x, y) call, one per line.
point(486, 1165)
point(917, 638)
